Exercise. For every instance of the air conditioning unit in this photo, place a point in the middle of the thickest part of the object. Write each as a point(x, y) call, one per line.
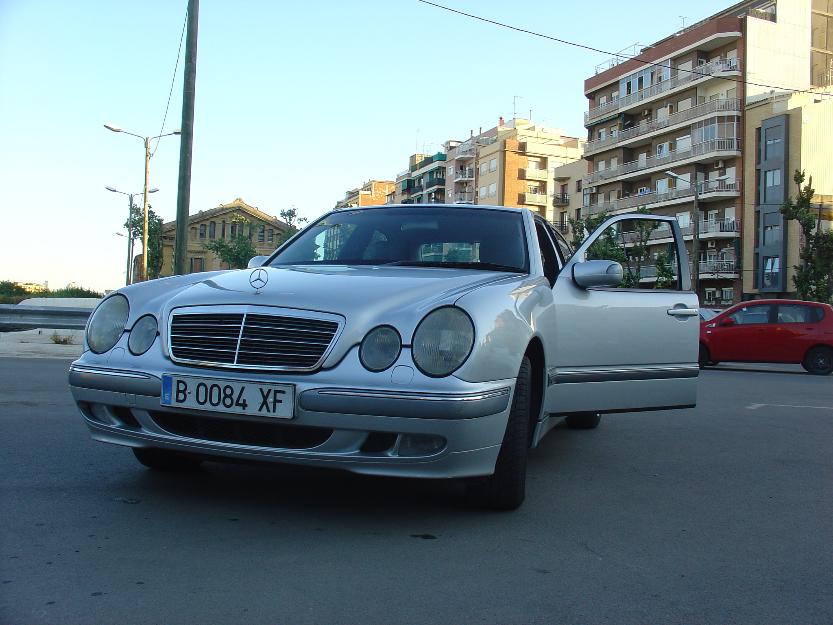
point(712, 244)
point(718, 165)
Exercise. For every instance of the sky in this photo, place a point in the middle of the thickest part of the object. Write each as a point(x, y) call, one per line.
point(295, 104)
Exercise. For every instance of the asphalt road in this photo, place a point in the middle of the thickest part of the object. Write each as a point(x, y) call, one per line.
point(721, 514)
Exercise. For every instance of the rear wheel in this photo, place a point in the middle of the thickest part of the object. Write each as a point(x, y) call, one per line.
point(583, 420)
point(704, 358)
point(164, 460)
point(819, 361)
point(506, 488)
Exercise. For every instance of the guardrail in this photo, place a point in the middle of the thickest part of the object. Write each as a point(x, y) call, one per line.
point(14, 317)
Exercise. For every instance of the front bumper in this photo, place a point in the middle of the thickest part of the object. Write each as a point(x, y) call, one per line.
point(429, 433)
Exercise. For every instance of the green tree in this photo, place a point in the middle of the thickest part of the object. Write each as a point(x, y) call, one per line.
point(135, 224)
point(665, 274)
point(238, 250)
point(813, 278)
point(291, 219)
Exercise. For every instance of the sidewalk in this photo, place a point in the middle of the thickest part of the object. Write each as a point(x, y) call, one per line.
point(39, 344)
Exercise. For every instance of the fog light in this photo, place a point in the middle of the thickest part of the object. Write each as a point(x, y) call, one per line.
point(420, 444)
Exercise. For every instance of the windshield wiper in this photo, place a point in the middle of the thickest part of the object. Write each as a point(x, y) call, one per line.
point(455, 265)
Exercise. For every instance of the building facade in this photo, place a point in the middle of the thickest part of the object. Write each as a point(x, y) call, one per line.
point(568, 181)
point(784, 133)
point(223, 222)
point(371, 193)
point(666, 127)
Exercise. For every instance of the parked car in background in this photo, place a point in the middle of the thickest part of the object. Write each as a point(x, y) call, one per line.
point(419, 341)
point(783, 331)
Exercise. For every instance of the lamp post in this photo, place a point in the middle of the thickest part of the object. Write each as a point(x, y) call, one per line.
point(127, 280)
point(146, 141)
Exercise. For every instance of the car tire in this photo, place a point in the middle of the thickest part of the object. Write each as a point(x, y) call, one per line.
point(164, 460)
point(505, 489)
point(819, 361)
point(583, 420)
point(704, 356)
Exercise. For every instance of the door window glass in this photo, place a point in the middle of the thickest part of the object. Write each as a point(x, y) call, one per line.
point(796, 313)
point(549, 259)
point(749, 315)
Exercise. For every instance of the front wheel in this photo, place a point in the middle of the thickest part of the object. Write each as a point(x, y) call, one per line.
point(164, 460)
point(819, 361)
point(704, 356)
point(506, 488)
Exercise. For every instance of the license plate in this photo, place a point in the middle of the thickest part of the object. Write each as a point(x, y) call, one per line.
point(234, 396)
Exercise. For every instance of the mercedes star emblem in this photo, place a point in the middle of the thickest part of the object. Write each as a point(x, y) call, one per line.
point(258, 279)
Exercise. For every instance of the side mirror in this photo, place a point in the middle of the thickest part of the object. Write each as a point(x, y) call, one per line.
point(727, 322)
point(257, 261)
point(598, 273)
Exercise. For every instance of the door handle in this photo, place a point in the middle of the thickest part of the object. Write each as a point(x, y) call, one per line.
point(682, 312)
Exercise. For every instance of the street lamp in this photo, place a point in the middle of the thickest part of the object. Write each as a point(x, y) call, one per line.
point(695, 243)
point(146, 141)
point(129, 230)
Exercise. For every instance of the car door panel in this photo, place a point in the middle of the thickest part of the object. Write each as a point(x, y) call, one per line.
point(621, 349)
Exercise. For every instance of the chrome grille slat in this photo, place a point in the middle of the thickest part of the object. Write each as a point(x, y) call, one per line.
point(251, 340)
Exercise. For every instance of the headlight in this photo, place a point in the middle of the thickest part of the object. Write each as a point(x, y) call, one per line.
point(380, 348)
point(442, 341)
point(107, 323)
point(142, 335)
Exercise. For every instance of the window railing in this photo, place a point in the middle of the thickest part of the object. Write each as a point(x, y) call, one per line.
point(684, 77)
point(560, 199)
point(464, 197)
point(721, 105)
point(672, 156)
point(467, 173)
point(534, 198)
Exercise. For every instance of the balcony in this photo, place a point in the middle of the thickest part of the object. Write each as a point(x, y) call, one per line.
point(709, 190)
point(560, 199)
point(682, 79)
point(709, 270)
point(725, 228)
point(537, 199)
point(532, 174)
point(714, 229)
point(563, 228)
point(715, 107)
point(464, 174)
point(436, 182)
point(465, 153)
point(464, 197)
point(713, 148)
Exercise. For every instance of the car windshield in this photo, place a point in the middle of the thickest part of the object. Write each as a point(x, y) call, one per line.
point(413, 237)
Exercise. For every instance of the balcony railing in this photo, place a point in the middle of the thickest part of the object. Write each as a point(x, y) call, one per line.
point(563, 228)
point(722, 105)
point(727, 225)
point(706, 189)
point(560, 199)
point(464, 197)
point(701, 72)
point(466, 173)
point(708, 269)
point(436, 182)
point(533, 174)
point(698, 149)
point(465, 153)
point(539, 199)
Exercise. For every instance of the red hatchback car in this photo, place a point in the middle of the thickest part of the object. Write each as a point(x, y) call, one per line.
point(776, 330)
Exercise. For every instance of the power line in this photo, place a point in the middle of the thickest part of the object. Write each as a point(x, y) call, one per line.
point(173, 80)
point(592, 49)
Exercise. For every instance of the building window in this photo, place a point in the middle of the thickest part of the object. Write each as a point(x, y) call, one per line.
point(773, 178)
point(684, 219)
point(482, 192)
point(727, 295)
point(493, 165)
point(578, 185)
point(261, 234)
point(493, 189)
point(202, 231)
point(223, 229)
point(772, 267)
point(233, 231)
point(193, 232)
point(710, 295)
point(212, 230)
point(270, 235)
point(197, 265)
point(484, 168)
point(772, 234)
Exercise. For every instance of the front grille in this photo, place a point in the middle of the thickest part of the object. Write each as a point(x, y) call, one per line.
point(261, 434)
point(251, 340)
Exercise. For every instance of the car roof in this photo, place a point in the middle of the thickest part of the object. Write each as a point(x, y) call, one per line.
point(451, 206)
point(779, 301)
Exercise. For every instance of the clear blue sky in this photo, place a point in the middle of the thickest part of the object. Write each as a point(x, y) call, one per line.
point(296, 103)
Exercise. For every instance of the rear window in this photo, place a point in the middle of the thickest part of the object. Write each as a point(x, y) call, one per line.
point(798, 313)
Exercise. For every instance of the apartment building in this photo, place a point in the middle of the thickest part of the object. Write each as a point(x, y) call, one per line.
point(509, 165)
point(666, 127)
point(567, 195)
point(422, 183)
point(785, 133)
point(371, 193)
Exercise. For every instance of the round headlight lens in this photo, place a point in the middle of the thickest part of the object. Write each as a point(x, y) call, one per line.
point(380, 348)
point(443, 341)
point(107, 323)
point(142, 335)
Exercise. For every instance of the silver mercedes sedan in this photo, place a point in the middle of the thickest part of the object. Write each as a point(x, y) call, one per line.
point(418, 340)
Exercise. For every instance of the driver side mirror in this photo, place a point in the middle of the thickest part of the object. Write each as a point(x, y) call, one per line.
point(598, 273)
point(727, 322)
point(257, 261)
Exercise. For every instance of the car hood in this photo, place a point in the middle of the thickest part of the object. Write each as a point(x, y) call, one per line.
point(365, 296)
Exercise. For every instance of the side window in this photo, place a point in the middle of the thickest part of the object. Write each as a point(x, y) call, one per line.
point(749, 315)
point(641, 245)
point(796, 313)
point(561, 246)
point(549, 258)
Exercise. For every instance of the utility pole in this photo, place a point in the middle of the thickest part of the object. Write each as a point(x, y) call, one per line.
point(183, 198)
point(145, 212)
point(129, 240)
point(695, 244)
